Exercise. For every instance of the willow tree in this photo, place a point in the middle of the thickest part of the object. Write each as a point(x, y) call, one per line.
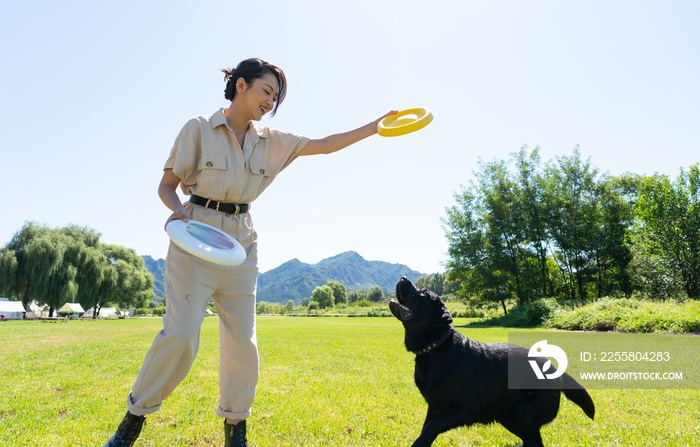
point(134, 283)
point(8, 272)
point(50, 269)
point(55, 266)
point(22, 285)
point(97, 279)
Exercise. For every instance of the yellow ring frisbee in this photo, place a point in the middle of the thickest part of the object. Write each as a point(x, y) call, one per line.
point(406, 121)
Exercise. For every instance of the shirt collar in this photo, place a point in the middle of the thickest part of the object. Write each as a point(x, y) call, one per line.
point(254, 132)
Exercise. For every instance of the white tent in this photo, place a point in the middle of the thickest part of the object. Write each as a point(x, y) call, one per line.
point(74, 308)
point(37, 312)
point(13, 310)
point(104, 312)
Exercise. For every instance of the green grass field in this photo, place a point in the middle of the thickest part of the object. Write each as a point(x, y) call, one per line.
point(324, 382)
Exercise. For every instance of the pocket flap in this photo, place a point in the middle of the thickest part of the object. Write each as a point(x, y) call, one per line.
point(259, 168)
point(212, 162)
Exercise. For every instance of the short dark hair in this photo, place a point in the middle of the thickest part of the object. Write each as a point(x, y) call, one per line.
point(250, 70)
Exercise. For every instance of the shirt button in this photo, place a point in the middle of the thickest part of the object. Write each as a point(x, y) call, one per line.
point(262, 171)
point(210, 164)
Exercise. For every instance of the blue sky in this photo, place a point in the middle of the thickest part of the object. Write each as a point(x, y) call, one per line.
point(93, 95)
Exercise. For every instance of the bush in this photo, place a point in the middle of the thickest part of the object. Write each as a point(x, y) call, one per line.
point(532, 314)
point(264, 307)
point(628, 315)
point(469, 313)
point(602, 315)
point(379, 312)
point(363, 303)
point(158, 311)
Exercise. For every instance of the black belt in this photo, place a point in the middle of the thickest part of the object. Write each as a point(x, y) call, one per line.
point(228, 208)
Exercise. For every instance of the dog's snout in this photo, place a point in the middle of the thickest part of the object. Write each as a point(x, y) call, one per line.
point(404, 287)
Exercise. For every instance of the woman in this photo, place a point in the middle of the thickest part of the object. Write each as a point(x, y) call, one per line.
point(223, 162)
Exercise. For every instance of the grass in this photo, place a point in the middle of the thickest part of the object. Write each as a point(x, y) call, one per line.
point(324, 382)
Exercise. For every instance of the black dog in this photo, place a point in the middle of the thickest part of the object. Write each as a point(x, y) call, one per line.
point(466, 382)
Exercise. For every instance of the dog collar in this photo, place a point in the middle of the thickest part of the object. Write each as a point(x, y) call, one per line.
point(436, 343)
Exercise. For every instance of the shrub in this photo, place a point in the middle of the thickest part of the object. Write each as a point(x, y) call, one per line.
point(363, 303)
point(469, 313)
point(158, 311)
point(379, 312)
point(535, 313)
point(629, 315)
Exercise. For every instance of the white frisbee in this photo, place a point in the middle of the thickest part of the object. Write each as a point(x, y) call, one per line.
point(206, 242)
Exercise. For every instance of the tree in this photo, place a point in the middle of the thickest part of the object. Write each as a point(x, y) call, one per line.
point(667, 225)
point(610, 253)
point(22, 285)
point(471, 260)
point(534, 213)
point(50, 268)
point(357, 295)
point(573, 208)
point(97, 280)
point(375, 294)
point(133, 282)
point(339, 292)
point(323, 296)
point(289, 308)
point(8, 272)
point(438, 283)
point(505, 223)
point(54, 266)
point(534, 232)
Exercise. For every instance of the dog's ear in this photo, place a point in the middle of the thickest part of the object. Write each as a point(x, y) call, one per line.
point(440, 316)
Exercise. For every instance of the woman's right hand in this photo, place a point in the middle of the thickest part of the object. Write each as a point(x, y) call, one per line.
point(168, 194)
point(179, 214)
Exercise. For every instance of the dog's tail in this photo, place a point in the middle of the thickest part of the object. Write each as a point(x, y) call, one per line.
point(578, 395)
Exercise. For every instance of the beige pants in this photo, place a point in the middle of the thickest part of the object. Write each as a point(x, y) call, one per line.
point(189, 282)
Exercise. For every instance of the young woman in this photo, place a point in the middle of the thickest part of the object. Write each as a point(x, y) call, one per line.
point(223, 162)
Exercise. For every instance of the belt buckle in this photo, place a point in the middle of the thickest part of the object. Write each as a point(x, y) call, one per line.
point(238, 210)
point(217, 206)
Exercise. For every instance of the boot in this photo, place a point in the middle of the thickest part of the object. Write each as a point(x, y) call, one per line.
point(235, 435)
point(127, 432)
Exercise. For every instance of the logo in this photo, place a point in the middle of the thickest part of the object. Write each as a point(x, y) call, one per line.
point(542, 349)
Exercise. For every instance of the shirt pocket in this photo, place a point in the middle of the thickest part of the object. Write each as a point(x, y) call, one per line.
point(213, 175)
point(259, 171)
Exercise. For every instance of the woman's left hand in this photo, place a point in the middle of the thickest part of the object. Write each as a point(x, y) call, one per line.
point(376, 123)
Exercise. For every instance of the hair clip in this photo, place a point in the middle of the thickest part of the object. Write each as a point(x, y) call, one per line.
point(228, 77)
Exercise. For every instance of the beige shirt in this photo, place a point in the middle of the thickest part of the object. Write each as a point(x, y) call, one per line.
point(210, 163)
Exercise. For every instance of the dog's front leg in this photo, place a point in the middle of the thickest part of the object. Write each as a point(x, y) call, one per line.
point(434, 425)
point(428, 417)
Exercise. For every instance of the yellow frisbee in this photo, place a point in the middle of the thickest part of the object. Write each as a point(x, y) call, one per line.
point(406, 121)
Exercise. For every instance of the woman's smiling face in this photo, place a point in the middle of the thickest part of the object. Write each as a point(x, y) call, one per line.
point(259, 97)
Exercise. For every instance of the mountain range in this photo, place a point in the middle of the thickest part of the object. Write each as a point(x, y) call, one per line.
point(296, 280)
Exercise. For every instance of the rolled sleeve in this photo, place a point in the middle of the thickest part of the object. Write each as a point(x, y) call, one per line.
point(185, 152)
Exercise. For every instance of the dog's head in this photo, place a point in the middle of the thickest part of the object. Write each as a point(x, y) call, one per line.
point(424, 316)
